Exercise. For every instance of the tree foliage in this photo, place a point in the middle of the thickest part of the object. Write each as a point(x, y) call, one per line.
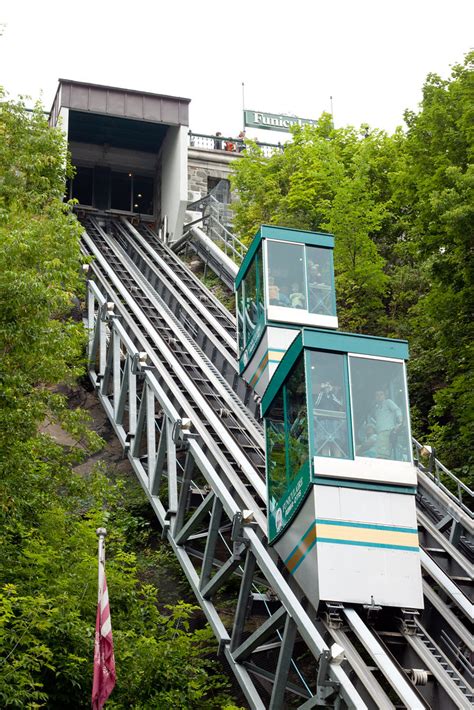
point(48, 511)
point(401, 208)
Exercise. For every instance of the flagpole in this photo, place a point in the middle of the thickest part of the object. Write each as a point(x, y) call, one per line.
point(101, 533)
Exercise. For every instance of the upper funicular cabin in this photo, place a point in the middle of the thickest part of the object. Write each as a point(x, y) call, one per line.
point(128, 148)
point(286, 281)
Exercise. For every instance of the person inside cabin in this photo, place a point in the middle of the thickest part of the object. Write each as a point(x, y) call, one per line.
point(387, 419)
point(297, 299)
point(273, 292)
point(315, 278)
point(284, 299)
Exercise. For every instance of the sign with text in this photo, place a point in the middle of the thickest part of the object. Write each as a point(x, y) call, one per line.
point(282, 512)
point(274, 121)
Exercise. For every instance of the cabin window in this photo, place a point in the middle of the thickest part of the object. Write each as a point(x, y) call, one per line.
point(297, 421)
point(251, 303)
point(319, 269)
point(286, 275)
point(287, 450)
point(276, 451)
point(329, 405)
point(380, 409)
point(240, 316)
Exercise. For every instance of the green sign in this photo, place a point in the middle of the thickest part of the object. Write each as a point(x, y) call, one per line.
point(274, 121)
point(281, 512)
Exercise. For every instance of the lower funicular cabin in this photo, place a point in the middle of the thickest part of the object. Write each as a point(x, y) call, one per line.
point(340, 476)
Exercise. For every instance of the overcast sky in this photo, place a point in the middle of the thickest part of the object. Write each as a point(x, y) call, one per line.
point(372, 57)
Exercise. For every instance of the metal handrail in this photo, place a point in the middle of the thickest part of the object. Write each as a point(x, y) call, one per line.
point(210, 142)
point(436, 469)
point(215, 228)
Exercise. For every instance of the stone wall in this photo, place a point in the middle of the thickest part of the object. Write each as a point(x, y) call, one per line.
point(204, 163)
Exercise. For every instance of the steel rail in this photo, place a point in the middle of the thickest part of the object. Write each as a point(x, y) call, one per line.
point(191, 303)
point(252, 428)
point(394, 676)
point(171, 370)
point(451, 589)
point(190, 280)
point(441, 669)
point(447, 546)
point(443, 609)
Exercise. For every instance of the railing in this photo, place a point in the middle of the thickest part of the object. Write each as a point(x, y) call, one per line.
point(215, 220)
point(224, 144)
point(437, 472)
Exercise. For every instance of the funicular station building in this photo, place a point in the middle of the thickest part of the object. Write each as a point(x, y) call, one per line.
point(133, 152)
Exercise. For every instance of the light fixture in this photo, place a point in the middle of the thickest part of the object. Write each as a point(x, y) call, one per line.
point(139, 194)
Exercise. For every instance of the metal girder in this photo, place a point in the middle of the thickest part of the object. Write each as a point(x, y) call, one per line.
point(195, 522)
point(284, 661)
point(211, 542)
point(265, 631)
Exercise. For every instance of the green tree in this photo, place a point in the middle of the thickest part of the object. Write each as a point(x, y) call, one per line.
point(326, 180)
point(48, 511)
point(435, 191)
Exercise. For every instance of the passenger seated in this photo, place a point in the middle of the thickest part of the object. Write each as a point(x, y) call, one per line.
point(297, 299)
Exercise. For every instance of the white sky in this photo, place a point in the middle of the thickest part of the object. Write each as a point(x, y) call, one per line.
point(372, 56)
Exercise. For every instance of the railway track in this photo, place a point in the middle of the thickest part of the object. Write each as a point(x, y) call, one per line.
point(187, 337)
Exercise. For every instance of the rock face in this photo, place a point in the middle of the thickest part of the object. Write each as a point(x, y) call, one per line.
point(82, 396)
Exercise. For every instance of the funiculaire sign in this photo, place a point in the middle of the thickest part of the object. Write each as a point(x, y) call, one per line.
point(274, 121)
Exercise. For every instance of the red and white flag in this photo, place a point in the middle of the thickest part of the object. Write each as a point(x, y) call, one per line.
point(104, 661)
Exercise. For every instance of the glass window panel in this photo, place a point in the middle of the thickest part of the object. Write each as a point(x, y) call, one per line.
point(276, 454)
point(330, 411)
point(240, 316)
point(286, 275)
point(379, 403)
point(321, 295)
point(250, 289)
point(260, 304)
point(297, 420)
point(143, 194)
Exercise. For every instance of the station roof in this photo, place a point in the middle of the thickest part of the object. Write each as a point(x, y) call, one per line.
point(122, 103)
